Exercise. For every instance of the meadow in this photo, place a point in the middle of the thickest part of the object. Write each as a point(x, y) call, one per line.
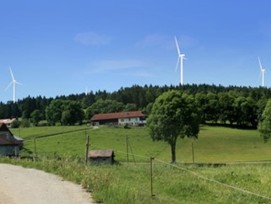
point(241, 181)
point(215, 144)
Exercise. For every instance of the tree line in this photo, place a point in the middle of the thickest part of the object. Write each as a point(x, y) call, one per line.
point(232, 105)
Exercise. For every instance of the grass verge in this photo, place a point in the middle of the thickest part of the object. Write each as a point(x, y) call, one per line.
point(130, 182)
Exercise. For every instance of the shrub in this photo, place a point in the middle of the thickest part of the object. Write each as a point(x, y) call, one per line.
point(15, 124)
point(25, 123)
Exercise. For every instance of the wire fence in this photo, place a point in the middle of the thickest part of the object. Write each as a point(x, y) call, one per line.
point(156, 173)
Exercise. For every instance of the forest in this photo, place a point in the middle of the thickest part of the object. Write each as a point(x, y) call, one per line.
point(232, 105)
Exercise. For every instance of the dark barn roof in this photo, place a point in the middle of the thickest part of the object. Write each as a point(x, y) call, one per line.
point(7, 138)
point(3, 127)
point(110, 116)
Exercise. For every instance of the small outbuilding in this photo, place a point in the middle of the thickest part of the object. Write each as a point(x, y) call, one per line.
point(101, 157)
point(10, 145)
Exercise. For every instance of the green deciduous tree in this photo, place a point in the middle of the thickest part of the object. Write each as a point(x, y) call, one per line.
point(174, 114)
point(104, 106)
point(36, 117)
point(66, 112)
point(264, 125)
point(130, 107)
point(72, 113)
point(226, 111)
point(212, 108)
point(54, 111)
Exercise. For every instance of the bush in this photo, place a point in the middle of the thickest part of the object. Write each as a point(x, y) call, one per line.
point(126, 126)
point(43, 123)
point(15, 124)
point(25, 123)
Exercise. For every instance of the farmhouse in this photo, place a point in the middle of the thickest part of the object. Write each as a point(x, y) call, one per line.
point(10, 145)
point(101, 156)
point(120, 118)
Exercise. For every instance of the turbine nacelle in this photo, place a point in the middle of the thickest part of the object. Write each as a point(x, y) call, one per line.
point(182, 56)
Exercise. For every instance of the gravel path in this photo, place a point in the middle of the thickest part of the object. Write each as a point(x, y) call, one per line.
point(28, 186)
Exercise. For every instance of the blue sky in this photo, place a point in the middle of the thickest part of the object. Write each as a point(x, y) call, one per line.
point(63, 47)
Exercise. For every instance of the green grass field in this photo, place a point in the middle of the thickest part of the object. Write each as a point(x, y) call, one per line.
point(129, 182)
point(215, 144)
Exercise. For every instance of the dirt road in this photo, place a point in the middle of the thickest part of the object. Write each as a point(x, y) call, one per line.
point(28, 186)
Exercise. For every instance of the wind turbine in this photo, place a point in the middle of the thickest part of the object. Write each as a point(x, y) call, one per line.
point(181, 57)
point(262, 71)
point(13, 83)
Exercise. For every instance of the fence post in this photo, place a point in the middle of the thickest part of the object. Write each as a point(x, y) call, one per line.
point(193, 155)
point(151, 171)
point(35, 149)
point(127, 154)
point(87, 145)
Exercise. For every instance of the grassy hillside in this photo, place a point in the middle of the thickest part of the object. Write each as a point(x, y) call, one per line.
point(215, 144)
point(130, 182)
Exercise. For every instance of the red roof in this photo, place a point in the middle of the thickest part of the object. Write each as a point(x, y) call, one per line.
point(110, 116)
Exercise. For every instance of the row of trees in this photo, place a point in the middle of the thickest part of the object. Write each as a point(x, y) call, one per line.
point(230, 108)
point(176, 114)
point(240, 106)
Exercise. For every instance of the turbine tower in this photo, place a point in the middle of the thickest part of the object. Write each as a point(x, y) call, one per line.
point(262, 71)
point(13, 83)
point(181, 57)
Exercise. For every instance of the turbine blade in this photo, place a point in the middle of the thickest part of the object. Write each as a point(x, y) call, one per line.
point(177, 46)
point(16, 82)
point(8, 85)
point(12, 76)
point(260, 64)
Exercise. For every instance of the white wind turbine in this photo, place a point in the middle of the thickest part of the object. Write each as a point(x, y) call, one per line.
point(262, 71)
point(13, 83)
point(181, 57)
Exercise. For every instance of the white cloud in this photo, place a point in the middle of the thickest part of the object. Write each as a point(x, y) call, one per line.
point(91, 38)
point(126, 67)
point(140, 73)
point(114, 65)
point(153, 40)
point(166, 42)
point(187, 41)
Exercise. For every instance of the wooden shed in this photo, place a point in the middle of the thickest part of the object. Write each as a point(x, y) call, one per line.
point(101, 156)
point(10, 145)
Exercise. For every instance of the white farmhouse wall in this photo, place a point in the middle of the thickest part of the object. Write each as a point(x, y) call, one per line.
point(130, 121)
